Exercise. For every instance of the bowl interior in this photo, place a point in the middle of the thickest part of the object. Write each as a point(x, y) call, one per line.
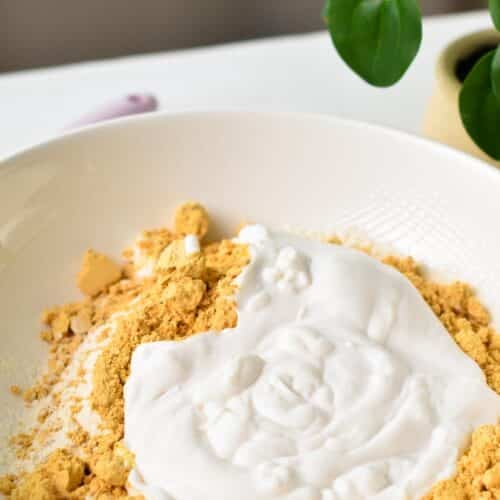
point(98, 188)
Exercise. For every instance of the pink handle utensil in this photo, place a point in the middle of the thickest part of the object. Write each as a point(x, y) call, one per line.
point(130, 105)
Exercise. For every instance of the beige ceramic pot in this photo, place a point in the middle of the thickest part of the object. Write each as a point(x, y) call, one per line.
point(442, 121)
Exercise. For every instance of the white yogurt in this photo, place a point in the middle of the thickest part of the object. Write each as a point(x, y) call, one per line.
point(191, 244)
point(337, 384)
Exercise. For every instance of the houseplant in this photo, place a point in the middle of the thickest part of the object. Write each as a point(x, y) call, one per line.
point(379, 39)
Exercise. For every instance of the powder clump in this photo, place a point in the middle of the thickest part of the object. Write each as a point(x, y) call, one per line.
point(97, 272)
point(56, 478)
point(478, 470)
point(191, 218)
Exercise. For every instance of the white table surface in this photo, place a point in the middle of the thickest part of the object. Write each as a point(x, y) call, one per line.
point(294, 73)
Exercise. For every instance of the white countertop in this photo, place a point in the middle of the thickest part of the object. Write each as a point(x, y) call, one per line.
point(294, 73)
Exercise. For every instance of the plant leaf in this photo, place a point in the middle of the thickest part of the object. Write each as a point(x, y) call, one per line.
point(378, 39)
point(494, 6)
point(495, 74)
point(479, 107)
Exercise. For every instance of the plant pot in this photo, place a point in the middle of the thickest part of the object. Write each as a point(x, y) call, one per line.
point(442, 120)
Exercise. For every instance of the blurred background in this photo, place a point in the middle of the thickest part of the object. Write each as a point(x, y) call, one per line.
point(36, 33)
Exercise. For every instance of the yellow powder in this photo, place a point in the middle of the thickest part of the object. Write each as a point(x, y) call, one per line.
point(192, 293)
point(151, 243)
point(478, 471)
point(22, 443)
point(191, 218)
point(186, 294)
point(57, 478)
point(184, 297)
point(114, 466)
point(61, 353)
point(16, 390)
point(42, 415)
point(463, 316)
point(7, 484)
point(97, 273)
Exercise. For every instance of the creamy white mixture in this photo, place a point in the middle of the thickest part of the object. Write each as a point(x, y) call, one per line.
point(338, 383)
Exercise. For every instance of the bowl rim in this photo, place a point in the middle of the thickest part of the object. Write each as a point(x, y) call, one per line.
point(467, 162)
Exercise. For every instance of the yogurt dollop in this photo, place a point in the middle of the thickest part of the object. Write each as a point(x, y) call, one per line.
point(338, 383)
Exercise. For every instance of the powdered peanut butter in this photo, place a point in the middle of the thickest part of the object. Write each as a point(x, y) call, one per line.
point(191, 218)
point(97, 272)
point(478, 470)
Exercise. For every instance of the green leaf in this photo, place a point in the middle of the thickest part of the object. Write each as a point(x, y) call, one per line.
point(378, 39)
point(479, 107)
point(494, 6)
point(495, 74)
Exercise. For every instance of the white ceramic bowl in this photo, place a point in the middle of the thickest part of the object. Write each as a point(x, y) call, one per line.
point(99, 187)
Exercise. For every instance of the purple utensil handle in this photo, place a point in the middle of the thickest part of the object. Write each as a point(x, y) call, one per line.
point(130, 105)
